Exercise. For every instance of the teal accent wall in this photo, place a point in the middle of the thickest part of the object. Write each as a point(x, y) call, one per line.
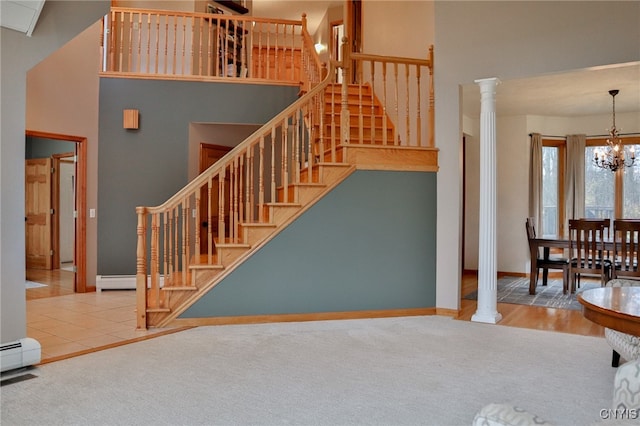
point(369, 244)
point(145, 167)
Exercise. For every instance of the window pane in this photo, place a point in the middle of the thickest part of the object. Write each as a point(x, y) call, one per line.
point(549, 190)
point(631, 193)
point(599, 188)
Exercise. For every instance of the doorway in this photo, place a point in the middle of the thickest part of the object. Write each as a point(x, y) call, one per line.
point(62, 230)
point(209, 155)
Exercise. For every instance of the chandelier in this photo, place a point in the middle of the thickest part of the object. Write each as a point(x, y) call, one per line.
point(614, 156)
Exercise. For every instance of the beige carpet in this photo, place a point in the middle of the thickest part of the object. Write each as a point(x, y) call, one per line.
point(396, 371)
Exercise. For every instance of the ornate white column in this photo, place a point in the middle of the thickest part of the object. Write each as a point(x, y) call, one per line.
point(487, 262)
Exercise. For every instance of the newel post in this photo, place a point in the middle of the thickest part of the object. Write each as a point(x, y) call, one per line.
point(432, 103)
point(141, 270)
point(344, 113)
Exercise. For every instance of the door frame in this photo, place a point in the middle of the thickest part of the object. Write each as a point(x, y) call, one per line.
point(80, 245)
point(58, 159)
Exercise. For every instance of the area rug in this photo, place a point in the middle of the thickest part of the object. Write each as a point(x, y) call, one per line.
point(516, 290)
point(31, 284)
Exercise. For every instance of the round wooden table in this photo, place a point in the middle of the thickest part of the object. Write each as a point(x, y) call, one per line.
point(617, 308)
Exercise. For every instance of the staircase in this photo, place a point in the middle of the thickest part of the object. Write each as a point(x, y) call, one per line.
point(270, 179)
point(178, 287)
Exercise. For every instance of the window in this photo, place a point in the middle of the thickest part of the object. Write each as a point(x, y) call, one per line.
point(599, 188)
point(607, 194)
point(631, 189)
point(553, 160)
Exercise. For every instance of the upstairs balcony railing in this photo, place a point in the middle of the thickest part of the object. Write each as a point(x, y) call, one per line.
point(202, 46)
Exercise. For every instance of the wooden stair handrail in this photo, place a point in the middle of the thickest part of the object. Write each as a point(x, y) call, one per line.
point(224, 161)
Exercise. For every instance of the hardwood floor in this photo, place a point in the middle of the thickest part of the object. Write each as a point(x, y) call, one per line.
point(58, 283)
point(532, 317)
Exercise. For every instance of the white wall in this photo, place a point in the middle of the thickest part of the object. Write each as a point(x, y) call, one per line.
point(513, 143)
point(59, 22)
point(62, 95)
point(509, 40)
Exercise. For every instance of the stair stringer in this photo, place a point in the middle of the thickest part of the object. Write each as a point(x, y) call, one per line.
point(334, 179)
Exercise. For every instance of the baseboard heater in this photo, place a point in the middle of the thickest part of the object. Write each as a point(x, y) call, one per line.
point(19, 354)
point(120, 282)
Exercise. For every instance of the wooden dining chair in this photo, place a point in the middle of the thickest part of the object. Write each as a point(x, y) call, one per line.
point(625, 247)
point(546, 262)
point(587, 250)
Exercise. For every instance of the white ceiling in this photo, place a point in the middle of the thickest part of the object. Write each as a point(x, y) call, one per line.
point(577, 93)
point(20, 15)
point(293, 9)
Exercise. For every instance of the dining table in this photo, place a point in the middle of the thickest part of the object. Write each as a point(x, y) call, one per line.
point(617, 308)
point(547, 242)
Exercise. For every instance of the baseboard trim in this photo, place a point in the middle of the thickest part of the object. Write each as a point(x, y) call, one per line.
point(448, 312)
point(319, 316)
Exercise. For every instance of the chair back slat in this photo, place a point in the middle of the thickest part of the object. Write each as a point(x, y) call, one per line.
point(625, 247)
point(586, 247)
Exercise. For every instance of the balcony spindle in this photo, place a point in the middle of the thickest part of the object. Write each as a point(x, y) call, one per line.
point(141, 270)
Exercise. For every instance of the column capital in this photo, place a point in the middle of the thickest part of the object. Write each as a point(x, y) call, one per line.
point(488, 82)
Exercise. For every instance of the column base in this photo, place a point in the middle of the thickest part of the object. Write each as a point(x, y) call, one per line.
point(487, 317)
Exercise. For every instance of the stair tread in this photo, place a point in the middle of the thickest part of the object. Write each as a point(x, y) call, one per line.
point(158, 310)
point(180, 287)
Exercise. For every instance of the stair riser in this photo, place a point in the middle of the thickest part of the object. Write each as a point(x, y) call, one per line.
point(354, 132)
point(281, 214)
point(255, 234)
point(354, 109)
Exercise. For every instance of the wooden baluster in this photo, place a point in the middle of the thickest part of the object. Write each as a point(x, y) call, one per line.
point(285, 159)
point(209, 45)
point(197, 228)
point(166, 45)
point(372, 67)
point(183, 58)
point(278, 72)
point(130, 47)
point(360, 114)
point(432, 111)
point(384, 104)
point(222, 232)
point(418, 117)
point(200, 44)
point(407, 141)
point(309, 150)
point(139, 57)
point(319, 100)
point(166, 238)
point(210, 220)
point(395, 76)
point(249, 185)
point(333, 123)
point(121, 46)
point(241, 212)
point(236, 216)
point(155, 285)
point(157, 58)
point(185, 239)
point(260, 64)
point(297, 143)
point(176, 241)
point(273, 163)
point(141, 270)
point(292, 44)
point(175, 45)
point(148, 59)
point(111, 66)
point(261, 176)
point(218, 51)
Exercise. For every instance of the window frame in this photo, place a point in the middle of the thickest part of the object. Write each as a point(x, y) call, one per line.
point(561, 145)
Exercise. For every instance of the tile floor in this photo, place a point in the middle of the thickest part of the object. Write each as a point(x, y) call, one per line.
point(74, 324)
